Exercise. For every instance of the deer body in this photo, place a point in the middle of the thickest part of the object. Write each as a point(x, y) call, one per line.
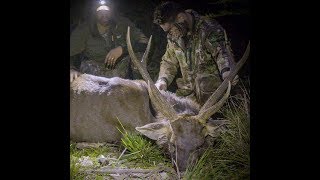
point(96, 104)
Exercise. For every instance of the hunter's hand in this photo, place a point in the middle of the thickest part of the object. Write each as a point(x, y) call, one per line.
point(234, 81)
point(161, 84)
point(113, 56)
point(73, 75)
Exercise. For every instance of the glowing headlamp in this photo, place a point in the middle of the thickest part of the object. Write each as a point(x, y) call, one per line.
point(100, 8)
point(103, 6)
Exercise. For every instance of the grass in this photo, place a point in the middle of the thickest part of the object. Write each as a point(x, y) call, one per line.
point(91, 152)
point(230, 157)
point(141, 151)
point(75, 154)
point(75, 169)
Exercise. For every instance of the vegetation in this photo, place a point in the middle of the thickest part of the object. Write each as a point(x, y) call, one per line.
point(230, 157)
point(141, 151)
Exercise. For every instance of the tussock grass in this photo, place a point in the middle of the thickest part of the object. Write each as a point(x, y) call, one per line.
point(141, 150)
point(230, 157)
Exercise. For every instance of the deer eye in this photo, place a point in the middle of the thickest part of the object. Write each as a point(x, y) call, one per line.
point(162, 140)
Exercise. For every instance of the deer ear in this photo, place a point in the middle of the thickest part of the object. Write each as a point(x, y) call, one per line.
point(156, 131)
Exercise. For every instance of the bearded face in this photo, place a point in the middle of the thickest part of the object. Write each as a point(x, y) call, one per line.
point(103, 17)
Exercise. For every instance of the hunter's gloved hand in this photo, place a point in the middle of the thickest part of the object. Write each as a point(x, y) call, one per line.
point(73, 75)
point(113, 56)
point(234, 81)
point(161, 84)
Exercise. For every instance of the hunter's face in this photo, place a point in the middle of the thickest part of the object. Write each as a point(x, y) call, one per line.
point(166, 26)
point(177, 31)
point(103, 17)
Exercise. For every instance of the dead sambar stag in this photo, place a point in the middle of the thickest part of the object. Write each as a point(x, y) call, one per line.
point(181, 132)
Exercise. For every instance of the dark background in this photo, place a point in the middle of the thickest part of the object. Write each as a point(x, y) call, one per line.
point(35, 83)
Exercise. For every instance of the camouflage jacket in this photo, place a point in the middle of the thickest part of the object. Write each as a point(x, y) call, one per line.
point(96, 47)
point(205, 56)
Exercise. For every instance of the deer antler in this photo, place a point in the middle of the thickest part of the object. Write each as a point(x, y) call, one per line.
point(207, 113)
point(209, 108)
point(156, 98)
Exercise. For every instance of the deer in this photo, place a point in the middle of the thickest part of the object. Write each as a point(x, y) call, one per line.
point(180, 126)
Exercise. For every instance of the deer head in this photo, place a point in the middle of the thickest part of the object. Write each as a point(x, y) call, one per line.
point(180, 133)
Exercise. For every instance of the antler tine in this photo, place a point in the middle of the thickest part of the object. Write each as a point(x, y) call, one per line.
point(207, 113)
point(146, 54)
point(156, 98)
point(142, 70)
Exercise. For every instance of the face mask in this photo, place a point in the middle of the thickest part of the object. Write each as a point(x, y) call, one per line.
point(178, 33)
point(182, 27)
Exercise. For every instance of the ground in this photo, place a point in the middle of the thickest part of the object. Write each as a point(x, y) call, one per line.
point(110, 161)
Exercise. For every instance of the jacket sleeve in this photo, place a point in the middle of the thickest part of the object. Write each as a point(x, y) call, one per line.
point(220, 50)
point(169, 64)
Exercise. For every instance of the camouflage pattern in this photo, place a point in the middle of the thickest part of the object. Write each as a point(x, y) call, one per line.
point(95, 49)
point(201, 61)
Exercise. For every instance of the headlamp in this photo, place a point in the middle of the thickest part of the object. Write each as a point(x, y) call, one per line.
point(103, 6)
